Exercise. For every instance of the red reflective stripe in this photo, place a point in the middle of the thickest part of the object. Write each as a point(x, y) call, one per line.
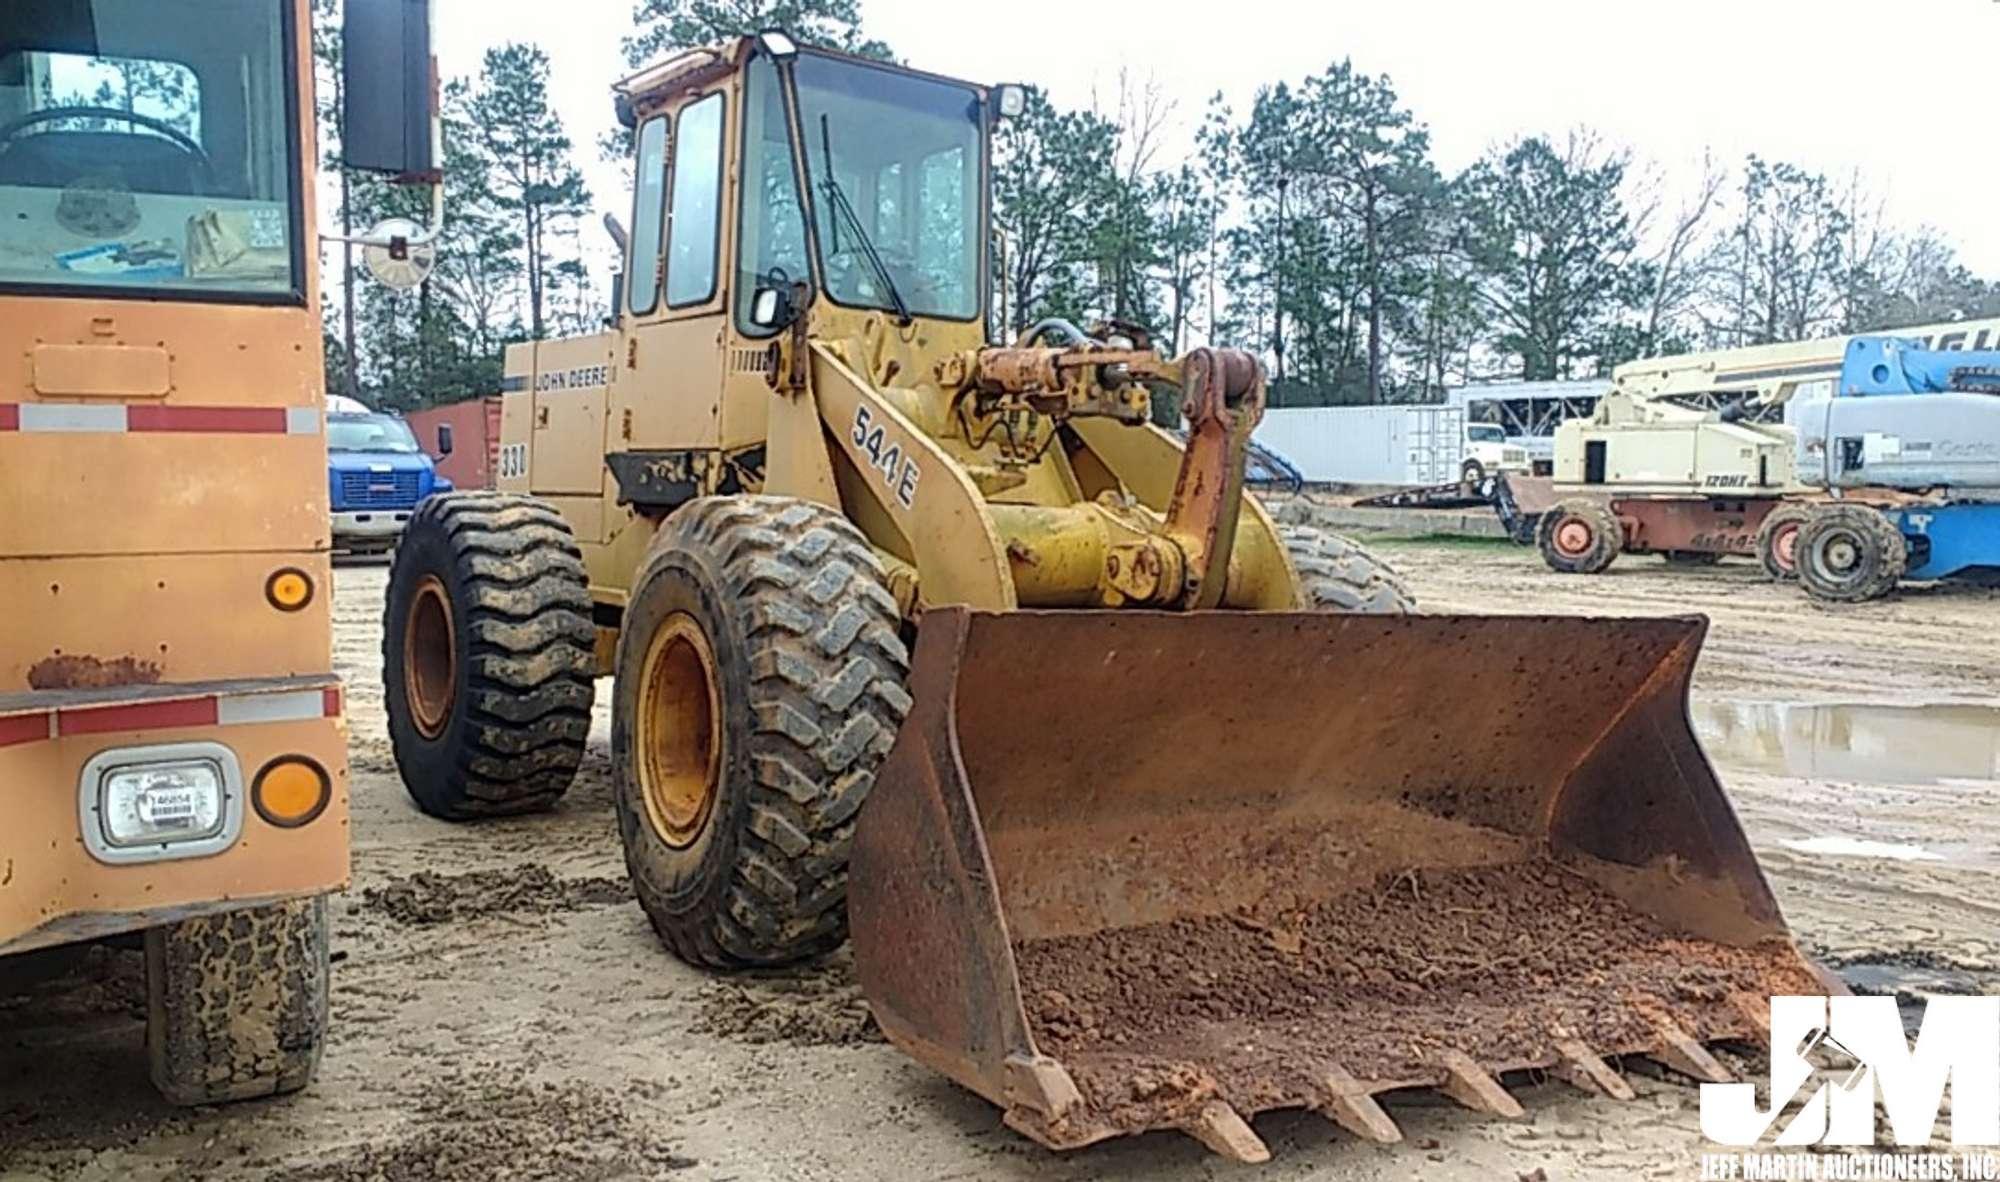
point(212, 420)
point(194, 420)
point(330, 701)
point(23, 728)
point(144, 716)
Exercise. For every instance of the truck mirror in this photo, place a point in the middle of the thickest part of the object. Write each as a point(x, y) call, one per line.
point(771, 308)
point(444, 440)
point(389, 108)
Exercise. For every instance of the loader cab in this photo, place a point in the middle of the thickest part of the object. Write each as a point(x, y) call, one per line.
point(774, 182)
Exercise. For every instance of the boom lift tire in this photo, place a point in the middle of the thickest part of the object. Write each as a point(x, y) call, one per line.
point(487, 656)
point(237, 1002)
point(1850, 554)
point(1580, 537)
point(1339, 576)
point(1778, 541)
point(761, 682)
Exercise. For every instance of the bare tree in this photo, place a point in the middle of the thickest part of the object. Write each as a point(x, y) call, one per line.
point(1676, 258)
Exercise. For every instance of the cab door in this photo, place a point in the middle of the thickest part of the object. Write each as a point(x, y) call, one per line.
point(668, 391)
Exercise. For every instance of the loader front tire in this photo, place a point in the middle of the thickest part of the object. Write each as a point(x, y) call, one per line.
point(1580, 537)
point(761, 682)
point(237, 1002)
point(487, 656)
point(1339, 576)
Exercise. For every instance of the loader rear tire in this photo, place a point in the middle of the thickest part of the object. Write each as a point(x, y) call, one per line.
point(761, 682)
point(1339, 576)
point(1580, 537)
point(1850, 554)
point(237, 1002)
point(488, 654)
point(1778, 541)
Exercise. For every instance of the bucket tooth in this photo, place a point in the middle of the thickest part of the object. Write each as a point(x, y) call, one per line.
point(1350, 1105)
point(1224, 1130)
point(1043, 1084)
point(1582, 1068)
point(1680, 1051)
point(1469, 1084)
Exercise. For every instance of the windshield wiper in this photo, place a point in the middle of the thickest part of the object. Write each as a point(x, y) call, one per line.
point(837, 197)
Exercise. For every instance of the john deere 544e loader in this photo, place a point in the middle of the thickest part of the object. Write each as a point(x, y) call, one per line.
point(1171, 817)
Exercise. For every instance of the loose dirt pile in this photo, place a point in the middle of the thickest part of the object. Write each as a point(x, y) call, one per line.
point(427, 897)
point(809, 1008)
point(478, 1129)
point(1492, 962)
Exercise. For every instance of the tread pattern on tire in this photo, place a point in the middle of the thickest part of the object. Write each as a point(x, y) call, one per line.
point(827, 684)
point(1773, 521)
point(1608, 537)
point(237, 1002)
point(529, 661)
point(1869, 522)
point(1340, 576)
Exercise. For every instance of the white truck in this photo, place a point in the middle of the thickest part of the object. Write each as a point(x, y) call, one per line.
point(1487, 452)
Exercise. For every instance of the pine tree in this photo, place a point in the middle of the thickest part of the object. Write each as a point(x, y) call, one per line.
point(666, 26)
point(525, 161)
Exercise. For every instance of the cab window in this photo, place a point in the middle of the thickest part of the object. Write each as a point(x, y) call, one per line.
point(771, 233)
point(697, 204)
point(649, 188)
point(148, 145)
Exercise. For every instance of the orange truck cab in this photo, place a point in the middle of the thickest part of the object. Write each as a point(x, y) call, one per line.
point(172, 745)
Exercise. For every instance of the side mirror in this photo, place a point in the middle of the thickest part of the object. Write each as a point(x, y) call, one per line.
point(444, 440)
point(389, 90)
point(771, 308)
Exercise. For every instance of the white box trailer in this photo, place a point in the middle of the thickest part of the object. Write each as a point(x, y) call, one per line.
point(1388, 445)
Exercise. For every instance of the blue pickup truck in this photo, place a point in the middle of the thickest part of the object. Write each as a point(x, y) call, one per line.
point(376, 475)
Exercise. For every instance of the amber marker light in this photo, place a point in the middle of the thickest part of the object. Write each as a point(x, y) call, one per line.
point(289, 589)
point(291, 791)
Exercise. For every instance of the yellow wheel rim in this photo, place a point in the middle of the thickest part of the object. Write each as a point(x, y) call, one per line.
point(678, 739)
point(430, 658)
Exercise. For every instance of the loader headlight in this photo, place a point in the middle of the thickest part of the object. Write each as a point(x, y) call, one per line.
point(778, 44)
point(152, 804)
point(1010, 100)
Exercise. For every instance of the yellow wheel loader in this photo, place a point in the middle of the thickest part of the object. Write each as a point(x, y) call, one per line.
point(1168, 817)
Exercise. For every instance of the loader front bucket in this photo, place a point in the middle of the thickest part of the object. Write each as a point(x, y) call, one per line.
point(1127, 871)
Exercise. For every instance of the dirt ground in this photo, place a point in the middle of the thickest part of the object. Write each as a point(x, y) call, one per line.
point(502, 1010)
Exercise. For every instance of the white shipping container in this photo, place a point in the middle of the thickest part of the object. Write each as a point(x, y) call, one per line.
point(1392, 445)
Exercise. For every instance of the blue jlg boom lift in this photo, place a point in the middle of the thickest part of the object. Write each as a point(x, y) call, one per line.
point(1914, 420)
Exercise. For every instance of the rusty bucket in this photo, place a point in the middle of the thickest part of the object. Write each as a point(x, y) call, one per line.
point(1130, 871)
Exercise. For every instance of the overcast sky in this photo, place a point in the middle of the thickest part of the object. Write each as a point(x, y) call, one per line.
point(1903, 91)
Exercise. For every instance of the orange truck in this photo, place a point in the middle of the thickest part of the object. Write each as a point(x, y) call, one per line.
point(172, 749)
